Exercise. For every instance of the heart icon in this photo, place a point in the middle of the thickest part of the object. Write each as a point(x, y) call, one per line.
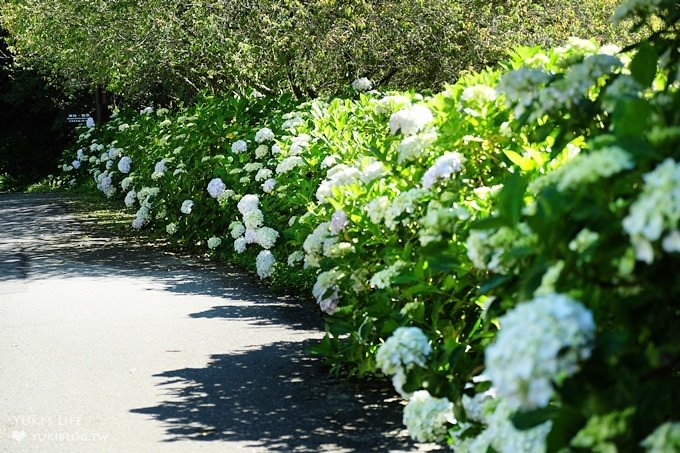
point(18, 435)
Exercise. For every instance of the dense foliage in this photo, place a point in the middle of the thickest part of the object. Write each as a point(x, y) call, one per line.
point(505, 250)
point(164, 50)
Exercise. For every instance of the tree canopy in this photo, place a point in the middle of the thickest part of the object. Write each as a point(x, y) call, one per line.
point(169, 50)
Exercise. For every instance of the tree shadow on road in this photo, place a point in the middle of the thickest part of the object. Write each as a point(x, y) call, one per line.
point(278, 399)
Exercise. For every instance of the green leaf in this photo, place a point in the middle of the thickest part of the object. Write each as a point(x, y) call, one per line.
point(566, 423)
point(517, 159)
point(529, 419)
point(511, 199)
point(631, 117)
point(643, 65)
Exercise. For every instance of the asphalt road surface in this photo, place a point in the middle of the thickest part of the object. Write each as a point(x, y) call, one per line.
point(107, 345)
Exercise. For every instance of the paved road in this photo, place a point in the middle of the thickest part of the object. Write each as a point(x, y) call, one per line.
point(107, 346)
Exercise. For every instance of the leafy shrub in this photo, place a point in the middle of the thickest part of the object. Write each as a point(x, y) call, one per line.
point(503, 250)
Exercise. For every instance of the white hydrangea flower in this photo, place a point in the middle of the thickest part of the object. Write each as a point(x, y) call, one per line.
point(289, 163)
point(292, 122)
point(146, 193)
point(244, 180)
point(299, 144)
point(405, 202)
point(114, 153)
point(338, 176)
point(586, 169)
point(487, 249)
point(214, 242)
point(239, 146)
point(236, 229)
point(171, 228)
point(126, 183)
point(266, 237)
point(261, 152)
point(406, 348)
point(410, 120)
point(264, 263)
point(276, 149)
point(109, 165)
point(519, 87)
point(478, 94)
point(383, 279)
point(444, 167)
point(313, 244)
point(146, 111)
point(295, 258)
point(329, 161)
point(252, 166)
point(642, 8)
point(264, 135)
point(665, 438)
point(540, 341)
point(389, 104)
point(326, 290)
point(656, 210)
point(268, 185)
point(240, 245)
point(338, 221)
point(216, 187)
point(334, 249)
point(377, 208)
point(263, 174)
point(130, 198)
point(428, 418)
point(362, 84)
point(187, 206)
point(501, 435)
point(374, 170)
point(248, 203)
point(80, 154)
point(253, 219)
point(413, 146)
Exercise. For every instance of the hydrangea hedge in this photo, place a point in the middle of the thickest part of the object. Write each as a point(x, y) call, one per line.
point(505, 251)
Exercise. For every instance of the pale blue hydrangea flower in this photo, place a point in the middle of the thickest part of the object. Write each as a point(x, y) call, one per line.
point(264, 263)
point(214, 242)
point(540, 342)
point(216, 187)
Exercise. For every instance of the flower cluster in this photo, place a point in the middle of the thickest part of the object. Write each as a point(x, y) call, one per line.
point(362, 84)
point(444, 167)
point(665, 438)
point(410, 120)
point(216, 187)
point(540, 342)
point(656, 212)
point(427, 418)
point(406, 348)
point(327, 290)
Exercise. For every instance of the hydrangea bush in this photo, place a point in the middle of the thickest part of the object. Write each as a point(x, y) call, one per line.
point(504, 250)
